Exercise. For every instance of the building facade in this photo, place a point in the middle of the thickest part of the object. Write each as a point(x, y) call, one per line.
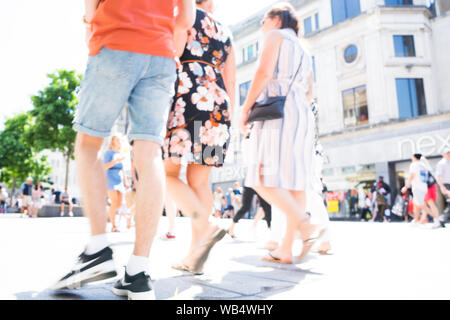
point(381, 79)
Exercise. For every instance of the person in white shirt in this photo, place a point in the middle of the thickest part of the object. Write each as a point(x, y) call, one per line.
point(418, 176)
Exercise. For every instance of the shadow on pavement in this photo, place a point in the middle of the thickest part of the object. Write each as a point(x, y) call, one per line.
point(269, 280)
point(98, 291)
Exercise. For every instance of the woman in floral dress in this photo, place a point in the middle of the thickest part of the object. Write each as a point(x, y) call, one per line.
point(198, 126)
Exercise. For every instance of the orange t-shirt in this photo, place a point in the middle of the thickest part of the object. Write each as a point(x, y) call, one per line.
point(141, 26)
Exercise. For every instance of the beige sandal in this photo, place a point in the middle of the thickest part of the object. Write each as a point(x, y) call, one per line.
point(182, 267)
point(207, 246)
point(308, 244)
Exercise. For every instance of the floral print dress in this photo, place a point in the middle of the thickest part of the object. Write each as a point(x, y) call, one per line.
point(199, 119)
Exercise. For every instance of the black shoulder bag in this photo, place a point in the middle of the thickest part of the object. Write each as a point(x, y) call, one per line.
point(273, 107)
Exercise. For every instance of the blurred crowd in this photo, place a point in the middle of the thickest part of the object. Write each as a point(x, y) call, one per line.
point(32, 196)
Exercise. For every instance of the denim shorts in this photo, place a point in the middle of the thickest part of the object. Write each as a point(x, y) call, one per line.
point(114, 78)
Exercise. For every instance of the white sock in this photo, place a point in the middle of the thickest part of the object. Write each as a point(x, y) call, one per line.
point(97, 243)
point(137, 264)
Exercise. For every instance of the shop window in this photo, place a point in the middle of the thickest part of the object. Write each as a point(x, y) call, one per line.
point(356, 110)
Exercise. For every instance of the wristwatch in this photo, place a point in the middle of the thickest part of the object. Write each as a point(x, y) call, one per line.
point(86, 23)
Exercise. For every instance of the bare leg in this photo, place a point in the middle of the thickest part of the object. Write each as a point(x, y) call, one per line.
point(131, 205)
point(92, 181)
point(195, 199)
point(417, 212)
point(171, 212)
point(198, 180)
point(35, 210)
point(432, 209)
point(306, 229)
point(375, 213)
point(186, 199)
point(259, 216)
point(116, 201)
point(148, 160)
point(296, 218)
point(324, 247)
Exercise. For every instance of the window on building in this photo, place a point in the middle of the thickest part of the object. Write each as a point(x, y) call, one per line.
point(243, 91)
point(398, 2)
point(349, 170)
point(344, 9)
point(250, 52)
point(350, 53)
point(404, 46)
point(356, 111)
point(313, 59)
point(308, 25)
point(411, 98)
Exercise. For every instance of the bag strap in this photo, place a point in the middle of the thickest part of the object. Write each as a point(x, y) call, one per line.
point(295, 76)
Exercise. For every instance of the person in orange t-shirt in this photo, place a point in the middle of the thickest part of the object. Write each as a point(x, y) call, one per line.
point(131, 61)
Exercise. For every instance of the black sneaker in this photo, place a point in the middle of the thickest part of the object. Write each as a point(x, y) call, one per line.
point(89, 268)
point(137, 287)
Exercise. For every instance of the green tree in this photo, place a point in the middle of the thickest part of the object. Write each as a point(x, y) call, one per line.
point(40, 169)
point(17, 159)
point(53, 112)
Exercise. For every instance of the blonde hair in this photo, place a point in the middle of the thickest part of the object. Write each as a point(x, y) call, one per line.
point(426, 163)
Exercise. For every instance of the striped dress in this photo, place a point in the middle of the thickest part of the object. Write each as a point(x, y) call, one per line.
point(280, 152)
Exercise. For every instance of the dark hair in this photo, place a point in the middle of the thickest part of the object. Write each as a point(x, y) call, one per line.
point(418, 156)
point(200, 1)
point(288, 17)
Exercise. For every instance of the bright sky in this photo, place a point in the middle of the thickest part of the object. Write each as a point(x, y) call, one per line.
point(39, 37)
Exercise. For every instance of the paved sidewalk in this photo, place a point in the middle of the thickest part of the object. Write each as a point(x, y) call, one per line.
point(370, 261)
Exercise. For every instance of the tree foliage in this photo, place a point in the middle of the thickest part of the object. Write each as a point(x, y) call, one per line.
point(53, 113)
point(17, 159)
point(15, 153)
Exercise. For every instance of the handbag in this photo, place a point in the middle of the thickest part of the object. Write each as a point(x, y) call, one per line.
point(431, 181)
point(273, 107)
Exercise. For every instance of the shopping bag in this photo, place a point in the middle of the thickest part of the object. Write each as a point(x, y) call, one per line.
point(399, 206)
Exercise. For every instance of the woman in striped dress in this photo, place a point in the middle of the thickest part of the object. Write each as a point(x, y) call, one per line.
point(280, 152)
